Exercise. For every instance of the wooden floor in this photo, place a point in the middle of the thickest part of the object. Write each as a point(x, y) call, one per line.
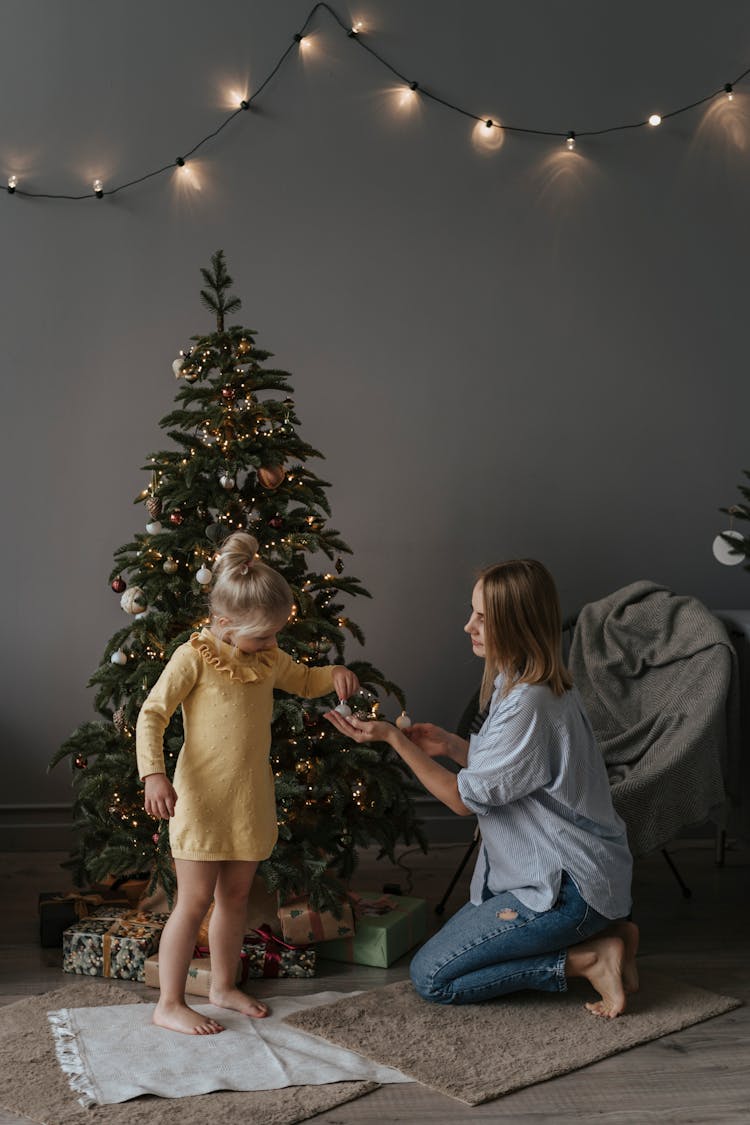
point(699, 1075)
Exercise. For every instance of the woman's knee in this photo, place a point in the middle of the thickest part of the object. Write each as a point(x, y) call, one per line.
point(423, 971)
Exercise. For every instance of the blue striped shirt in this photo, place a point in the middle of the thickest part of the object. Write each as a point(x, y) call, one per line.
point(536, 779)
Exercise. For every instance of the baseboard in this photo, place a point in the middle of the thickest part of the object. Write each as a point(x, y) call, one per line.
point(36, 828)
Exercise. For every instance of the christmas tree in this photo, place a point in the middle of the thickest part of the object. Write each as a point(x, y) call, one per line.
point(237, 462)
point(735, 543)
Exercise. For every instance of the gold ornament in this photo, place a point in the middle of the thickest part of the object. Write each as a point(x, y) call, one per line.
point(271, 476)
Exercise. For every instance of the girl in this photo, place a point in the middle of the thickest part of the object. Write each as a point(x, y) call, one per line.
point(222, 806)
point(554, 867)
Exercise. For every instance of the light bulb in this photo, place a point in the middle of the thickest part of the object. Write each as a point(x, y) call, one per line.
point(12, 183)
point(654, 119)
point(570, 141)
point(729, 92)
point(98, 188)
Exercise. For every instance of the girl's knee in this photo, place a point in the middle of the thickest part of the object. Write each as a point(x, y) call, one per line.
point(423, 974)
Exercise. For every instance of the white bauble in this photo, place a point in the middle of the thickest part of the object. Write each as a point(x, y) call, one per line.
point(119, 657)
point(154, 527)
point(226, 481)
point(343, 709)
point(134, 600)
point(170, 566)
point(403, 722)
point(204, 576)
point(177, 366)
point(723, 551)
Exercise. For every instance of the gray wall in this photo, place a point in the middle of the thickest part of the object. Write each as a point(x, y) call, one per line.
point(499, 355)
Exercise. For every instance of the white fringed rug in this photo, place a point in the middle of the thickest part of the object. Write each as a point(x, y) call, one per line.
point(113, 1054)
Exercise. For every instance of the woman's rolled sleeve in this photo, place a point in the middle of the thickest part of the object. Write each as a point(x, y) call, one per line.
point(508, 759)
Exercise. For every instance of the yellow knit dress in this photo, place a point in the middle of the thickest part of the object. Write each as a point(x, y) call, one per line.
point(226, 804)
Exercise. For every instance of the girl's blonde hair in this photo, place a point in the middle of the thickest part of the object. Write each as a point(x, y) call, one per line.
point(253, 596)
point(522, 628)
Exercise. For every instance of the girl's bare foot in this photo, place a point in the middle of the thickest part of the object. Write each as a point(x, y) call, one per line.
point(178, 1017)
point(600, 962)
point(238, 1002)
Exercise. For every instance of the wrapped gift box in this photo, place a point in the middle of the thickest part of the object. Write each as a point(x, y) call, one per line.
point(300, 924)
point(198, 977)
point(381, 938)
point(112, 947)
point(58, 910)
point(265, 955)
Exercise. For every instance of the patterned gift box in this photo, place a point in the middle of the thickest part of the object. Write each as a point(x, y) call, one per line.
point(112, 947)
point(265, 955)
point(198, 980)
point(300, 924)
point(387, 927)
point(58, 910)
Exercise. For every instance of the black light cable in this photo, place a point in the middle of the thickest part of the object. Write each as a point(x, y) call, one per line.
point(355, 35)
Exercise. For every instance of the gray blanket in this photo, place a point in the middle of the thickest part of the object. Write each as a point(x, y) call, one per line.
point(657, 674)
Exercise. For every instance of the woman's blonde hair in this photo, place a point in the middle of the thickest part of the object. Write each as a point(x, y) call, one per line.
point(522, 628)
point(251, 594)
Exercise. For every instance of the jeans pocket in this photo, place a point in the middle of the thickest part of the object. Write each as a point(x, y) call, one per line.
point(584, 926)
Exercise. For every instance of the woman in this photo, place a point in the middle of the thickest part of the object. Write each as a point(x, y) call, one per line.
point(552, 877)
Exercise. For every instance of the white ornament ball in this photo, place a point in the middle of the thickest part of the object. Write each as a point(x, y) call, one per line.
point(153, 528)
point(119, 657)
point(403, 722)
point(134, 600)
point(226, 482)
point(723, 550)
point(170, 566)
point(204, 576)
point(343, 709)
point(177, 366)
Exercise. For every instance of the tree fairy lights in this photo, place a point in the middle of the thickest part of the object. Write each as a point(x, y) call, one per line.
point(488, 130)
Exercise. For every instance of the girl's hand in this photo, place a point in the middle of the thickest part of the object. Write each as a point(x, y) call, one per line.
point(344, 682)
point(436, 742)
point(161, 796)
point(360, 730)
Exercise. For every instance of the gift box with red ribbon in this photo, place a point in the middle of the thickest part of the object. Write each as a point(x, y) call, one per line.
point(266, 955)
point(387, 926)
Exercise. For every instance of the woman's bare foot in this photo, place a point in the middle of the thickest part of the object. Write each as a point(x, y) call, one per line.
point(238, 1002)
point(600, 961)
point(630, 934)
point(179, 1017)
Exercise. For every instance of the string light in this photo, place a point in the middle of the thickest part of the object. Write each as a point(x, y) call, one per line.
point(409, 90)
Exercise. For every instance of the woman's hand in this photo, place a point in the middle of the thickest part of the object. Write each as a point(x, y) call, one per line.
point(360, 730)
point(161, 796)
point(345, 682)
point(436, 742)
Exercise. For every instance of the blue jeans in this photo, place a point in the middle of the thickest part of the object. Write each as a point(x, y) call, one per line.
point(503, 946)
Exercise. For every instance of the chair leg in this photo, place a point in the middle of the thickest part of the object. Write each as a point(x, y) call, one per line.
point(686, 892)
point(439, 909)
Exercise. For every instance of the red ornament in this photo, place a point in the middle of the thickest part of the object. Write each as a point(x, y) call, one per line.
point(228, 394)
point(176, 517)
point(276, 522)
point(119, 585)
point(155, 837)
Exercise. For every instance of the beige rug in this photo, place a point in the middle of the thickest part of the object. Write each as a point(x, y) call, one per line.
point(476, 1052)
point(32, 1084)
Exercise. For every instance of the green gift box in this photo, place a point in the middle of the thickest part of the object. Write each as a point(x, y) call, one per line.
point(386, 927)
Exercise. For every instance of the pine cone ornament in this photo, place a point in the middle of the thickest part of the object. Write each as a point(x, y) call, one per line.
point(153, 507)
point(119, 720)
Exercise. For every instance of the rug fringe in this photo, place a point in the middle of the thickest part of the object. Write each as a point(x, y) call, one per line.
point(69, 1057)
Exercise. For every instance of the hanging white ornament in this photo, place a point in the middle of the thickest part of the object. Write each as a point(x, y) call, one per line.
point(134, 600)
point(343, 709)
point(723, 551)
point(403, 722)
point(226, 481)
point(170, 566)
point(177, 366)
point(154, 527)
point(119, 657)
point(204, 576)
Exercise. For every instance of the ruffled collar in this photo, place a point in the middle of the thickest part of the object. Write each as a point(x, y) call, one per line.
point(245, 667)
